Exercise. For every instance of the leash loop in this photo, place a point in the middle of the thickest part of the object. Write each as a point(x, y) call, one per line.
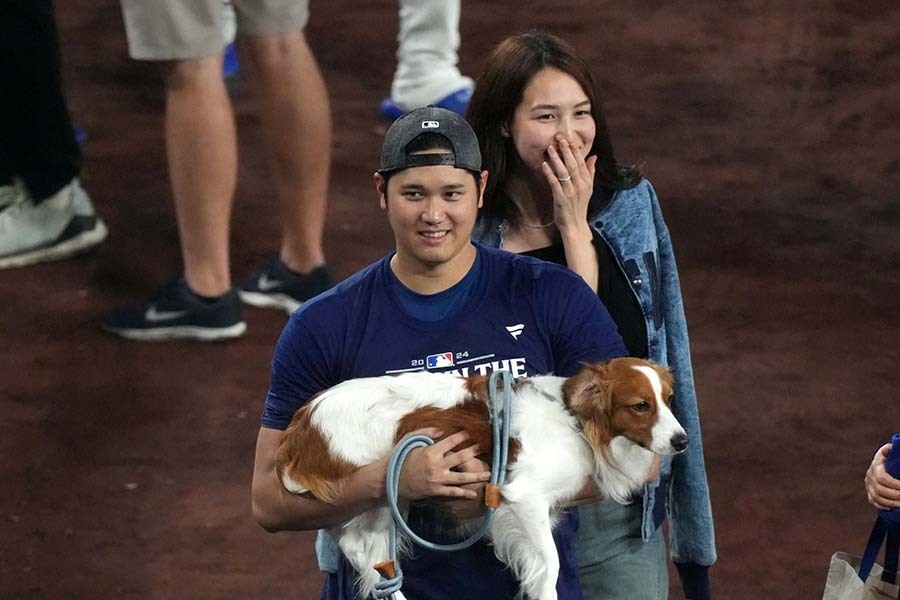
point(392, 575)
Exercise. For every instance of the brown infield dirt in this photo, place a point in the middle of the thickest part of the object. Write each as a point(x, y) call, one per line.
point(771, 130)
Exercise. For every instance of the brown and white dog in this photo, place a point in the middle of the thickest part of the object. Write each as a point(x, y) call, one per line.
point(605, 424)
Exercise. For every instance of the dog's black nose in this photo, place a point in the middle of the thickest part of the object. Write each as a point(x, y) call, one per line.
point(679, 442)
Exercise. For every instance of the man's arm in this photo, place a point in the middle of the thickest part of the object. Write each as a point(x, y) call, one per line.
point(276, 509)
point(426, 472)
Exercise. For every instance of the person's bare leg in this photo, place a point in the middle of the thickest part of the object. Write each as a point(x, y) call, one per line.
point(201, 147)
point(297, 121)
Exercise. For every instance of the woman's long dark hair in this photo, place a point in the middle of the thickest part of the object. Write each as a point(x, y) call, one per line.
point(498, 93)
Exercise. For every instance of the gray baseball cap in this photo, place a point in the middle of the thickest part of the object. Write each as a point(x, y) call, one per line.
point(430, 119)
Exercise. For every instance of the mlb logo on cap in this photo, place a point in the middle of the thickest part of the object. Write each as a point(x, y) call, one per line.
point(430, 124)
point(439, 361)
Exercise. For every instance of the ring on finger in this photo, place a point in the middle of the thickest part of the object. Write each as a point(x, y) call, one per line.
point(566, 178)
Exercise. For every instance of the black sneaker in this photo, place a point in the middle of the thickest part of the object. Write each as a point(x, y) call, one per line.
point(177, 313)
point(276, 286)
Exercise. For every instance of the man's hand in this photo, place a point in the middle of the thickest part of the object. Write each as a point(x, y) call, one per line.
point(469, 508)
point(435, 470)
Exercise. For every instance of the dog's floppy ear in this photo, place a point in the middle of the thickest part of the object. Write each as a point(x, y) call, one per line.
point(581, 391)
point(589, 397)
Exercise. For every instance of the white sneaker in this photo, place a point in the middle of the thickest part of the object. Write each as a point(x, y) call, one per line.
point(60, 226)
point(9, 195)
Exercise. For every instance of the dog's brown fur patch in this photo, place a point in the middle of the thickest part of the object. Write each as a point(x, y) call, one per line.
point(472, 416)
point(304, 457)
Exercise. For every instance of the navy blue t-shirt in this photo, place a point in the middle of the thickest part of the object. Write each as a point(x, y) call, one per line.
point(520, 314)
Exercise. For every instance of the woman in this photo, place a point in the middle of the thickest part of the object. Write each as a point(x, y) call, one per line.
point(555, 191)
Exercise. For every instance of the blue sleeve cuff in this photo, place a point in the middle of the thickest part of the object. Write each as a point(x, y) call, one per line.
point(694, 580)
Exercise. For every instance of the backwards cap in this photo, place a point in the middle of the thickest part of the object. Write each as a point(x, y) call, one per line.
point(430, 119)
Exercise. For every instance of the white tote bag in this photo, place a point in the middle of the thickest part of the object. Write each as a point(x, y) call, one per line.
point(859, 578)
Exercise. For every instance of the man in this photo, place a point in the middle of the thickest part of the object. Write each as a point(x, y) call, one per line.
point(186, 37)
point(437, 303)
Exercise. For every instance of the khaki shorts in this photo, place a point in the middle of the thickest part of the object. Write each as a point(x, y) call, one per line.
point(180, 29)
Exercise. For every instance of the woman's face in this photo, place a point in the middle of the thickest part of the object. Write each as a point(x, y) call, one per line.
point(553, 104)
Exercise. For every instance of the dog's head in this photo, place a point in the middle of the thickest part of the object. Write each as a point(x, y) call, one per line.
point(626, 397)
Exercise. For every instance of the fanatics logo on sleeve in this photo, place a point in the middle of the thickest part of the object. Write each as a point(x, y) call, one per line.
point(439, 361)
point(516, 330)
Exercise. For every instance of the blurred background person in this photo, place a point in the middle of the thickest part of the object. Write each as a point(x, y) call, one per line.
point(882, 489)
point(427, 57)
point(188, 39)
point(46, 214)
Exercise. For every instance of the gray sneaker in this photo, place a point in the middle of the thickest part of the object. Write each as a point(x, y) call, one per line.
point(60, 226)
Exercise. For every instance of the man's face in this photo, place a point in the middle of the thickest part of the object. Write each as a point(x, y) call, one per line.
point(432, 211)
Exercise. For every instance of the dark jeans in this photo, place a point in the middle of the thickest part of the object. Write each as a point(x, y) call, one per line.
point(37, 143)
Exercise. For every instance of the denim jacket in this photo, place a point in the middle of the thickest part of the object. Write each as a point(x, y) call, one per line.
point(632, 225)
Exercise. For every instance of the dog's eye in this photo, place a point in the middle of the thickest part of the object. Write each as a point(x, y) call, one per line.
point(641, 407)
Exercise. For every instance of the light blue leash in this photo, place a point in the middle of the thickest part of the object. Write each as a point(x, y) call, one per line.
point(392, 575)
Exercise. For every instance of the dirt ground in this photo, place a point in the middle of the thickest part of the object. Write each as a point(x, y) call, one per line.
point(771, 130)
